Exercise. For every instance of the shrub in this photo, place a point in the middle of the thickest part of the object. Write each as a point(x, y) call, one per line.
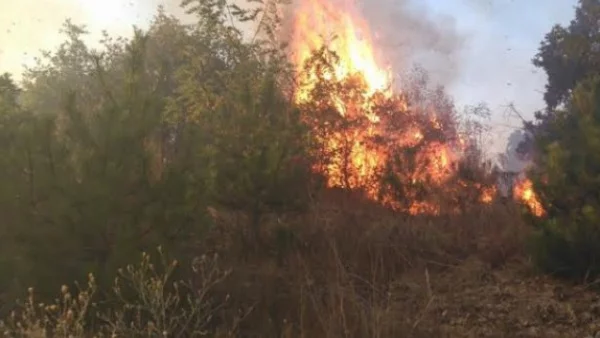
point(565, 179)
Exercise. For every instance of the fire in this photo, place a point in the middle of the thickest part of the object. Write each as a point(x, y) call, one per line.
point(316, 22)
point(362, 163)
point(524, 193)
point(437, 159)
point(488, 194)
point(423, 208)
point(356, 85)
point(353, 163)
point(366, 125)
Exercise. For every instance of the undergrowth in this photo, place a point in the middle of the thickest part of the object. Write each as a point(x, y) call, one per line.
point(338, 270)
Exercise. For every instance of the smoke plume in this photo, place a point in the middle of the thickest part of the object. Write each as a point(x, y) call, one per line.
point(408, 33)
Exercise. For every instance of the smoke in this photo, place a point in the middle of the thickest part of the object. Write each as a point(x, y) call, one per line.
point(408, 33)
point(511, 159)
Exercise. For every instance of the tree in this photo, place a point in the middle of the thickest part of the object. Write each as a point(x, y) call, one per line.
point(570, 54)
point(13, 128)
point(563, 146)
point(9, 93)
point(233, 95)
point(92, 170)
point(109, 152)
point(96, 185)
point(566, 180)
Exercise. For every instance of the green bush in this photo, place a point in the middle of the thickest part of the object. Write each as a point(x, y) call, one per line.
point(105, 154)
point(568, 184)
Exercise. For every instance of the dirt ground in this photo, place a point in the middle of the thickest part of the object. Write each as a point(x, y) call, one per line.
point(472, 300)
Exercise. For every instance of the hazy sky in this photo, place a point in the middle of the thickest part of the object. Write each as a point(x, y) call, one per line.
point(503, 37)
point(499, 39)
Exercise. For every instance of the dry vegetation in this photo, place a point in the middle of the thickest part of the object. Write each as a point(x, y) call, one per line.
point(346, 268)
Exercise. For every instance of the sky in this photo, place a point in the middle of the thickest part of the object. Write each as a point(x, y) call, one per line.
point(498, 39)
point(496, 68)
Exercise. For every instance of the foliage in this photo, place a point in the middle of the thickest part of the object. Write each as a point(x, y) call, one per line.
point(565, 178)
point(562, 144)
point(108, 152)
point(570, 54)
point(252, 136)
point(94, 186)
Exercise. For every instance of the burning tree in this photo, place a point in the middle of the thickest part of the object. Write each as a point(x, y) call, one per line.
point(399, 147)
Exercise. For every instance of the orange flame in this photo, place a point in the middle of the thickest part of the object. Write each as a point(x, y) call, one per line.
point(524, 193)
point(317, 21)
point(353, 160)
point(488, 194)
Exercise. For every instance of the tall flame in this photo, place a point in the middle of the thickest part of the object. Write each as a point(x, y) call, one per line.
point(316, 22)
point(353, 159)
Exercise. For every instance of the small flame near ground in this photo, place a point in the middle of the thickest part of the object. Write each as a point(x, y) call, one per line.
point(524, 193)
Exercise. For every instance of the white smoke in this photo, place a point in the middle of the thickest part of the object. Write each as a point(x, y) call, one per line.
point(409, 33)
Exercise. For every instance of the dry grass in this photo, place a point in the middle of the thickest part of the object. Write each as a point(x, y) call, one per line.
point(145, 301)
point(348, 268)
